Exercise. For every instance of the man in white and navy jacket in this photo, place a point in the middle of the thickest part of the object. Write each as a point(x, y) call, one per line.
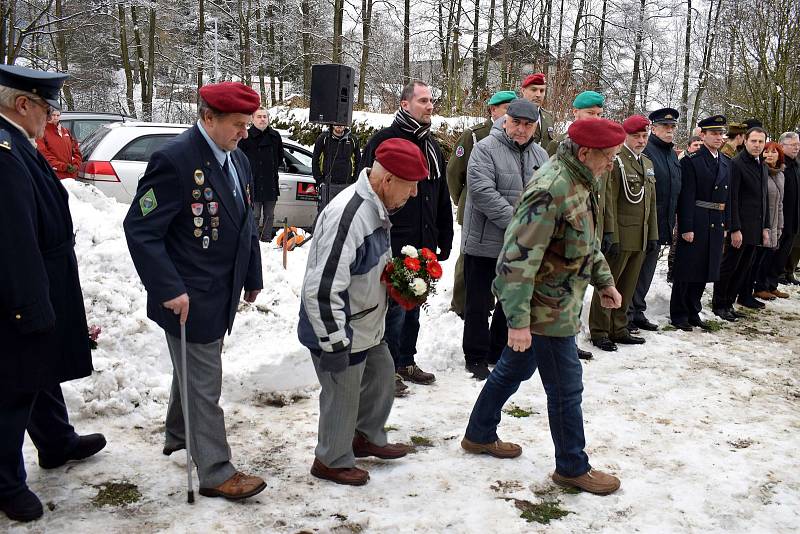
point(342, 312)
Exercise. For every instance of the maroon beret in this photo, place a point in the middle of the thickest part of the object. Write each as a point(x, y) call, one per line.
point(403, 159)
point(635, 124)
point(596, 133)
point(534, 79)
point(231, 97)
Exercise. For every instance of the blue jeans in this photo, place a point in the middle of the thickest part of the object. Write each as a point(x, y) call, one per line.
point(402, 330)
point(561, 373)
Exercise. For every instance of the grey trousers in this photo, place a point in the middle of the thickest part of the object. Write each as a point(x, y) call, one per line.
point(638, 305)
point(264, 213)
point(359, 398)
point(210, 450)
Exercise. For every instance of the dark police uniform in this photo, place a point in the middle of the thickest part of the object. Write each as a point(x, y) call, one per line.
point(188, 233)
point(703, 209)
point(43, 322)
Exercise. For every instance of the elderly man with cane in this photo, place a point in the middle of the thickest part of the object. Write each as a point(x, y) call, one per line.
point(193, 238)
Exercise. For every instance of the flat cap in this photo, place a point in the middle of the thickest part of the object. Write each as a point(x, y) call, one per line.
point(714, 122)
point(523, 109)
point(537, 78)
point(231, 97)
point(46, 85)
point(502, 97)
point(664, 116)
point(589, 99)
point(753, 123)
point(596, 133)
point(635, 124)
point(403, 159)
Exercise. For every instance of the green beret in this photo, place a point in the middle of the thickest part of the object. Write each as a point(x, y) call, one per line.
point(502, 97)
point(588, 99)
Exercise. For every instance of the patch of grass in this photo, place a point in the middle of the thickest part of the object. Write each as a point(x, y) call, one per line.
point(389, 428)
point(516, 411)
point(421, 441)
point(713, 326)
point(543, 512)
point(668, 328)
point(116, 494)
point(571, 491)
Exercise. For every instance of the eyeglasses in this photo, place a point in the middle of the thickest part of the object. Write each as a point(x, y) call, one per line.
point(44, 105)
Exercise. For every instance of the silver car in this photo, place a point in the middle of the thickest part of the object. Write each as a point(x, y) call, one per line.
point(116, 156)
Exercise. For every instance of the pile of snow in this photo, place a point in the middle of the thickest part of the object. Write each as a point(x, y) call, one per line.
point(376, 120)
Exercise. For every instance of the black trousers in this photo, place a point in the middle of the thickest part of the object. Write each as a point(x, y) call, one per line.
point(482, 341)
point(684, 304)
point(759, 273)
point(44, 415)
point(733, 271)
point(777, 265)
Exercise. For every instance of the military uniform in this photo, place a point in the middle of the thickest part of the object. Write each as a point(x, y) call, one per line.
point(633, 225)
point(545, 132)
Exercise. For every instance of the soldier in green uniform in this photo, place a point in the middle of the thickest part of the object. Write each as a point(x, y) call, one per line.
point(633, 232)
point(549, 256)
point(587, 105)
point(534, 89)
point(457, 179)
point(735, 139)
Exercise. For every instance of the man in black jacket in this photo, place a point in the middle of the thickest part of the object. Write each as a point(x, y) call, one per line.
point(335, 162)
point(425, 221)
point(790, 142)
point(667, 168)
point(264, 148)
point(749, 225)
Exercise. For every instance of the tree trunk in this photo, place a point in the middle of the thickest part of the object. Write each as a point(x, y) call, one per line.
point(305, 10)
point(407, 42)
point(598, 74)
point(62, 53)
point(271, 52)
point(637, 57)
point(260, 42)
point(366, 25)
point(147, 105)
point(573, 45)
point(126, 61)
point(487, 55)
point(201, 42)
point(686, 57)
point(711, 33)
point(476, 64)
point(338, 17)
point(504, 83)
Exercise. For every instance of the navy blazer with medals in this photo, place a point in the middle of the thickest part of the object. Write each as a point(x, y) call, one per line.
point(42, 319)
point(167, 246)
point(703, 178)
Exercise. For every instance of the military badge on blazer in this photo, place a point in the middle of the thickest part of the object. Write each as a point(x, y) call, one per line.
point(206, 241)
point(198, 232)
point(199, 177)
point(208, 194)
point(196, 194)
point(198, 222)
point(214, 222)
point(148, 202)
point(197, 208)
point(213, 208)
point(214, 234)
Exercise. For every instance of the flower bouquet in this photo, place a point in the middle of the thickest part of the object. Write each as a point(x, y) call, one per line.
point(411, 277)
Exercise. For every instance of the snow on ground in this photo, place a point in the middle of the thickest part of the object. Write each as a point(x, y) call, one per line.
point(701, 427)
point(376, 120)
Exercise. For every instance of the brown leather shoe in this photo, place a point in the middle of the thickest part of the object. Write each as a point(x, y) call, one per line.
point(764, 295)
point(400, 387)
point(593, 481)
point(362, 448)
point(239, 486)
point(498, 449)
point(352, 476)
point(413, 373)
point(780, 294)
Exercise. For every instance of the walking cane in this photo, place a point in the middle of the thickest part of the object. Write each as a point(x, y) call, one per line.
point(185, 403)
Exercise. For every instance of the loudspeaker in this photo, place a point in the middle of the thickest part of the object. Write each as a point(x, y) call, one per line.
point(332, 94)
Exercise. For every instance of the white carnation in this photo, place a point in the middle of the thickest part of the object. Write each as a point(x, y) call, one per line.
point(410, 251)
point(418, 286)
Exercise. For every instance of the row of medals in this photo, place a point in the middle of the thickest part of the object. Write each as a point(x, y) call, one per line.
point(198, 207)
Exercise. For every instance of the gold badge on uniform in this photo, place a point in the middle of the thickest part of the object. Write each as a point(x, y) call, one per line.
point(198, 232)
point(196, 194)
point(214, 234)
point(214, 222)
point(198, 221)
point(199, 177)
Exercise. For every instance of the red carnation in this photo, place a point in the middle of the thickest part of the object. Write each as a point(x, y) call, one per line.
point(434, 269)
point(412, 264)
point(428, 254)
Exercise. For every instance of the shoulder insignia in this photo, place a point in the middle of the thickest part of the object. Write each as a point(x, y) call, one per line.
point(459, 151)
point(5, 140)
point(723, 154)
point(148, 202)
point(691, 154)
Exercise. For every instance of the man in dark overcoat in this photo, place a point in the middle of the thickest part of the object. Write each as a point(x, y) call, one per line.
point(43, 325)
point(193, 240)
point(703, 220)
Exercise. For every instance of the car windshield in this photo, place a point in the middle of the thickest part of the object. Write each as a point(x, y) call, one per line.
point(90, 143)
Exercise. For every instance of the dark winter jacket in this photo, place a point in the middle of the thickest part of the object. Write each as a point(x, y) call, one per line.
point(749, 208)
point(791, 197)
point(336, 159)
point(668, 185)
point(427, 219)
point(264, 149)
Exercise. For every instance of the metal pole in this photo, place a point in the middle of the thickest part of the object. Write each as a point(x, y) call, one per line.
point(185, 404)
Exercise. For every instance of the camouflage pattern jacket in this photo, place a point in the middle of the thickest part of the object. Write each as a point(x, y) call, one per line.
point(551, 252)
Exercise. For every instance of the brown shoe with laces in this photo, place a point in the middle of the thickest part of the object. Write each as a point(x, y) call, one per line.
point(593, 481)
point(498, 449)
point(764, 295)
point(362, 448)
point(239, 486)
point(351, 476)
point(780, 294)
point(413, 373)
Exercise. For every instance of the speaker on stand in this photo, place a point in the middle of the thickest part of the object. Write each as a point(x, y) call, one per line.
point(332, 94)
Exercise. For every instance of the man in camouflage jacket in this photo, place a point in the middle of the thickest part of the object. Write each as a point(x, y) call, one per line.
point(550, 254)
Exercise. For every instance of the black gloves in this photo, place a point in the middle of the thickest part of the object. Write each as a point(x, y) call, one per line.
point(652, 246)
point(607, 247)
point(335, 362)
point(443, 254)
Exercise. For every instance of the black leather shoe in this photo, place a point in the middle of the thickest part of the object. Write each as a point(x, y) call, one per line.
point(628, 340)
point(686, 327)
point(750, 302)
point(169, 449)
point(584, 354)
point(605, 344)
point(479, 370)
point(725, 314)
point(632, 328)
point(737, 314)
point(792, 280)
point(696, 321)
point(24, 506)
point(644, 324)
point(88, 445)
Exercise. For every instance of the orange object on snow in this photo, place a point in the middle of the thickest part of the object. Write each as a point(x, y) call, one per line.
point(289, 238)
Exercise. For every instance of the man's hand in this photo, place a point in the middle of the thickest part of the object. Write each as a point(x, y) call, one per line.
point(736, 239)
point(335, 362)
point(250, 296)
point(71, 168)
point(610, 298)
point(519, 339)
point(765, 237)
point(179, 306)
point(606, 243)
point(652, 246)
point(688, 237)
point(443, 255)
point(612, 251)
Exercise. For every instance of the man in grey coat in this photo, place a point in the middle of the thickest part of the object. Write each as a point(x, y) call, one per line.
point(499, 169)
